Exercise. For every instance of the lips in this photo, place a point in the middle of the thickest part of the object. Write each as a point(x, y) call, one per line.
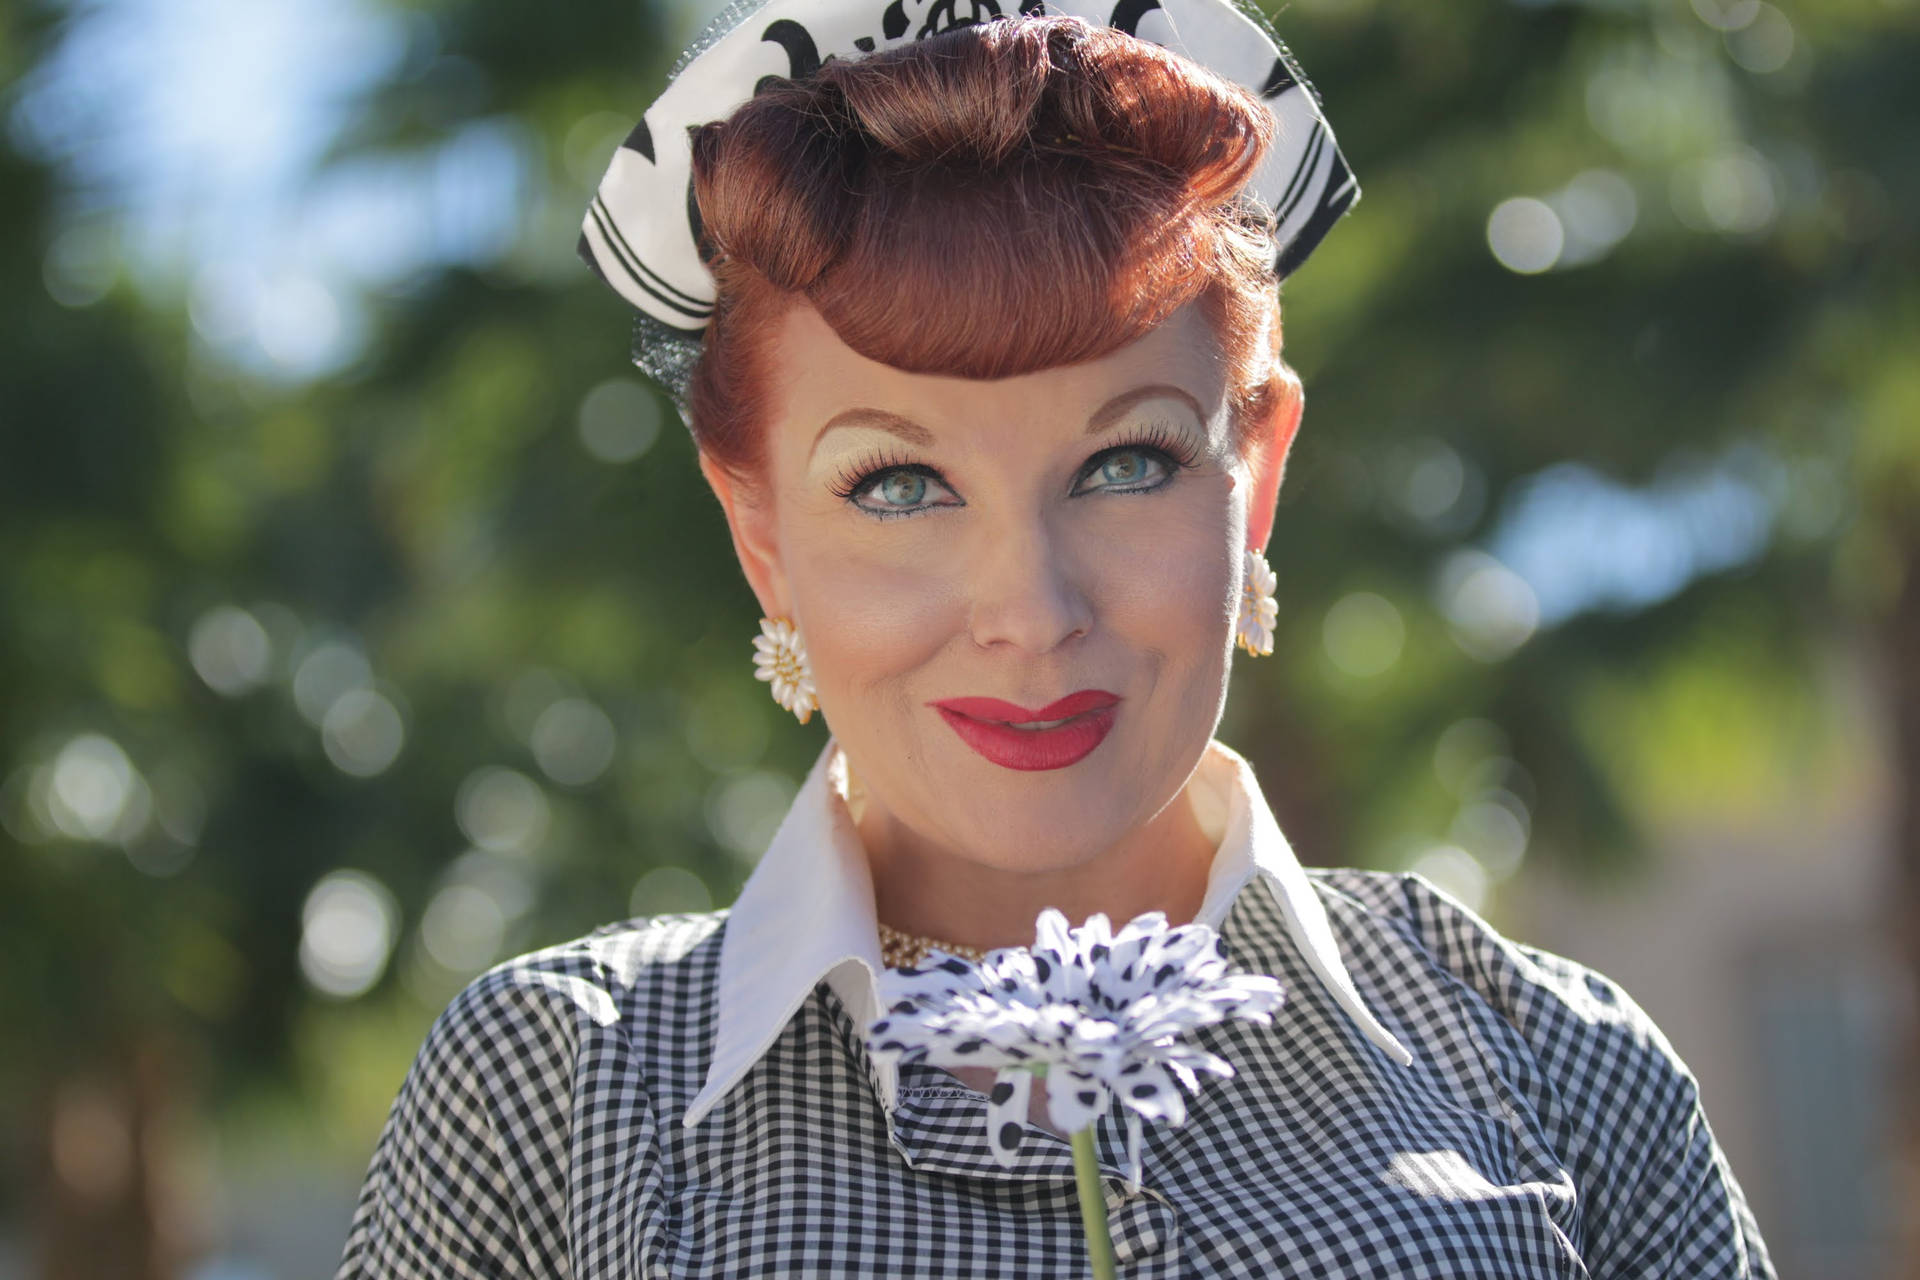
point(1017, 737)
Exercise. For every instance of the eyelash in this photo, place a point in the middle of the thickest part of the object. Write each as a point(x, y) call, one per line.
point(1170, 446)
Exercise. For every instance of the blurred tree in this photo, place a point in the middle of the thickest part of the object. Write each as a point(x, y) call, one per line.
point(1645, 271)
point(323, 695)
point(293, 672)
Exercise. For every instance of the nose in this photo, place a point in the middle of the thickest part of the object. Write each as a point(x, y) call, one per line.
point(1027, 588)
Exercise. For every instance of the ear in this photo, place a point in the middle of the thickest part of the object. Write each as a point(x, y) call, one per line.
point(1267, 448)
point(750, 520)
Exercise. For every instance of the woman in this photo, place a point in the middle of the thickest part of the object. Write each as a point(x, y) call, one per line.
point(989, 388)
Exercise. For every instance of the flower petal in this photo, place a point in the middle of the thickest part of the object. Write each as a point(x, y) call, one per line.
point(1186, 1060)
point(1007, 1113)
point(1147, 1089)
point(1128, 945)
point(1050, 933)
point(1074, 1099)
point(937, 978)
point(1134, 1127)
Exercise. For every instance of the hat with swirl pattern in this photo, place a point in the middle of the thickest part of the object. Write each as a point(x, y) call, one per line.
point(641, 233)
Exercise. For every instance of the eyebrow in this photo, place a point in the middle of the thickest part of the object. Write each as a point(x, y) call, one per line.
point(874, 420)
point(907, 429)
point(1115, 409)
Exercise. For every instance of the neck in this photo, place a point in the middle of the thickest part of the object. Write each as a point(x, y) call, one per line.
point(926, 889)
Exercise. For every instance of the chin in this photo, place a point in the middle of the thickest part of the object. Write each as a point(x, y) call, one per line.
point(1036, 843)
point(1040, 821)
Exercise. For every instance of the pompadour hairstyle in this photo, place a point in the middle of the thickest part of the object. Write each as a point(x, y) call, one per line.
point(998, 199)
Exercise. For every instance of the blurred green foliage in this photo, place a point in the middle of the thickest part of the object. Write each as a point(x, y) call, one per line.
point(563, 642)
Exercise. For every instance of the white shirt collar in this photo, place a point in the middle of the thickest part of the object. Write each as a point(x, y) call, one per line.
point(807, 913)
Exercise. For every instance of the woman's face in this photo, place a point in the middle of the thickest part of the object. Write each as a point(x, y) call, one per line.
point(961, 555)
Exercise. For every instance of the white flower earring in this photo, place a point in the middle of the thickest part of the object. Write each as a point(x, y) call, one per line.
point(1253, 630)
point(780, 658)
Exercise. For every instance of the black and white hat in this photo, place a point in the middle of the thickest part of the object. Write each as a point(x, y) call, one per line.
point(641, 231)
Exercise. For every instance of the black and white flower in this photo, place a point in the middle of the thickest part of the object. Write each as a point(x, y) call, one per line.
point(1099, 1013)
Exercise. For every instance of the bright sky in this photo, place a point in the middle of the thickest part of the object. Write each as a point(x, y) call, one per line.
point(195, 129)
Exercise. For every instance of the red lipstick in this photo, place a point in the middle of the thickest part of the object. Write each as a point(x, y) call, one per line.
point(1070, 728)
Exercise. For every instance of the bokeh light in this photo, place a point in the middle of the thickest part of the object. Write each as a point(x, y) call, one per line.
point(324, 673)
point(82, 264)
point(1492, 609)
point(229, 649)
point(94, 792)
point(1764, 43)
point(1363, 634)
point(1457, 872)
point(1732, 192)
point(348, 925)
point(1436, 490)
point(573, 741)
point(1726, 15)
point(1525, 235)
point(463, 928)
point(744, 811)
point(362, 733)
point(1597, 209)
point(667, 891)
point(297, 322)
point(1494, 827)
point(619, 420)
point(502, 810)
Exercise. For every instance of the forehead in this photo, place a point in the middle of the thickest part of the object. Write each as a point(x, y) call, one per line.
point(813, 375)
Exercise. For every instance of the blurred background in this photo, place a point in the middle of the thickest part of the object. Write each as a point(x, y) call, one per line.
point(364, 619)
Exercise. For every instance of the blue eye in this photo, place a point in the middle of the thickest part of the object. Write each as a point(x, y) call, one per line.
point(902, 488)
point(1124, 468)
point(1128, 469)
point(897, 490)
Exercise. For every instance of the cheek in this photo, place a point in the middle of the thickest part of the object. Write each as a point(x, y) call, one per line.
point(869, 617)
point(1170, 583)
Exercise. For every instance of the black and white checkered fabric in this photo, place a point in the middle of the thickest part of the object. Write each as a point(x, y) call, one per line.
point(1545, 1128)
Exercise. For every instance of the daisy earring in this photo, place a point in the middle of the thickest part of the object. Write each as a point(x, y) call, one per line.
point(1253, 630)
point(780, 658)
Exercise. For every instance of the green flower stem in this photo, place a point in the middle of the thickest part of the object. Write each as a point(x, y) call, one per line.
point(1093, 1204)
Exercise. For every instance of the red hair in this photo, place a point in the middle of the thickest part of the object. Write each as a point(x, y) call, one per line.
point(994, 200)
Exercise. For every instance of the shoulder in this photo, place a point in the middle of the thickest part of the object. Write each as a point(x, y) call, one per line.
point(522, 1026)
point(1600, 1080)
point(1560, 1005)
point(625, 974)
point(473, 1168)
point(544, 1033)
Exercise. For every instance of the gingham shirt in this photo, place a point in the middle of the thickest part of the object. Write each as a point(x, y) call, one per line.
point(690, 1096)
